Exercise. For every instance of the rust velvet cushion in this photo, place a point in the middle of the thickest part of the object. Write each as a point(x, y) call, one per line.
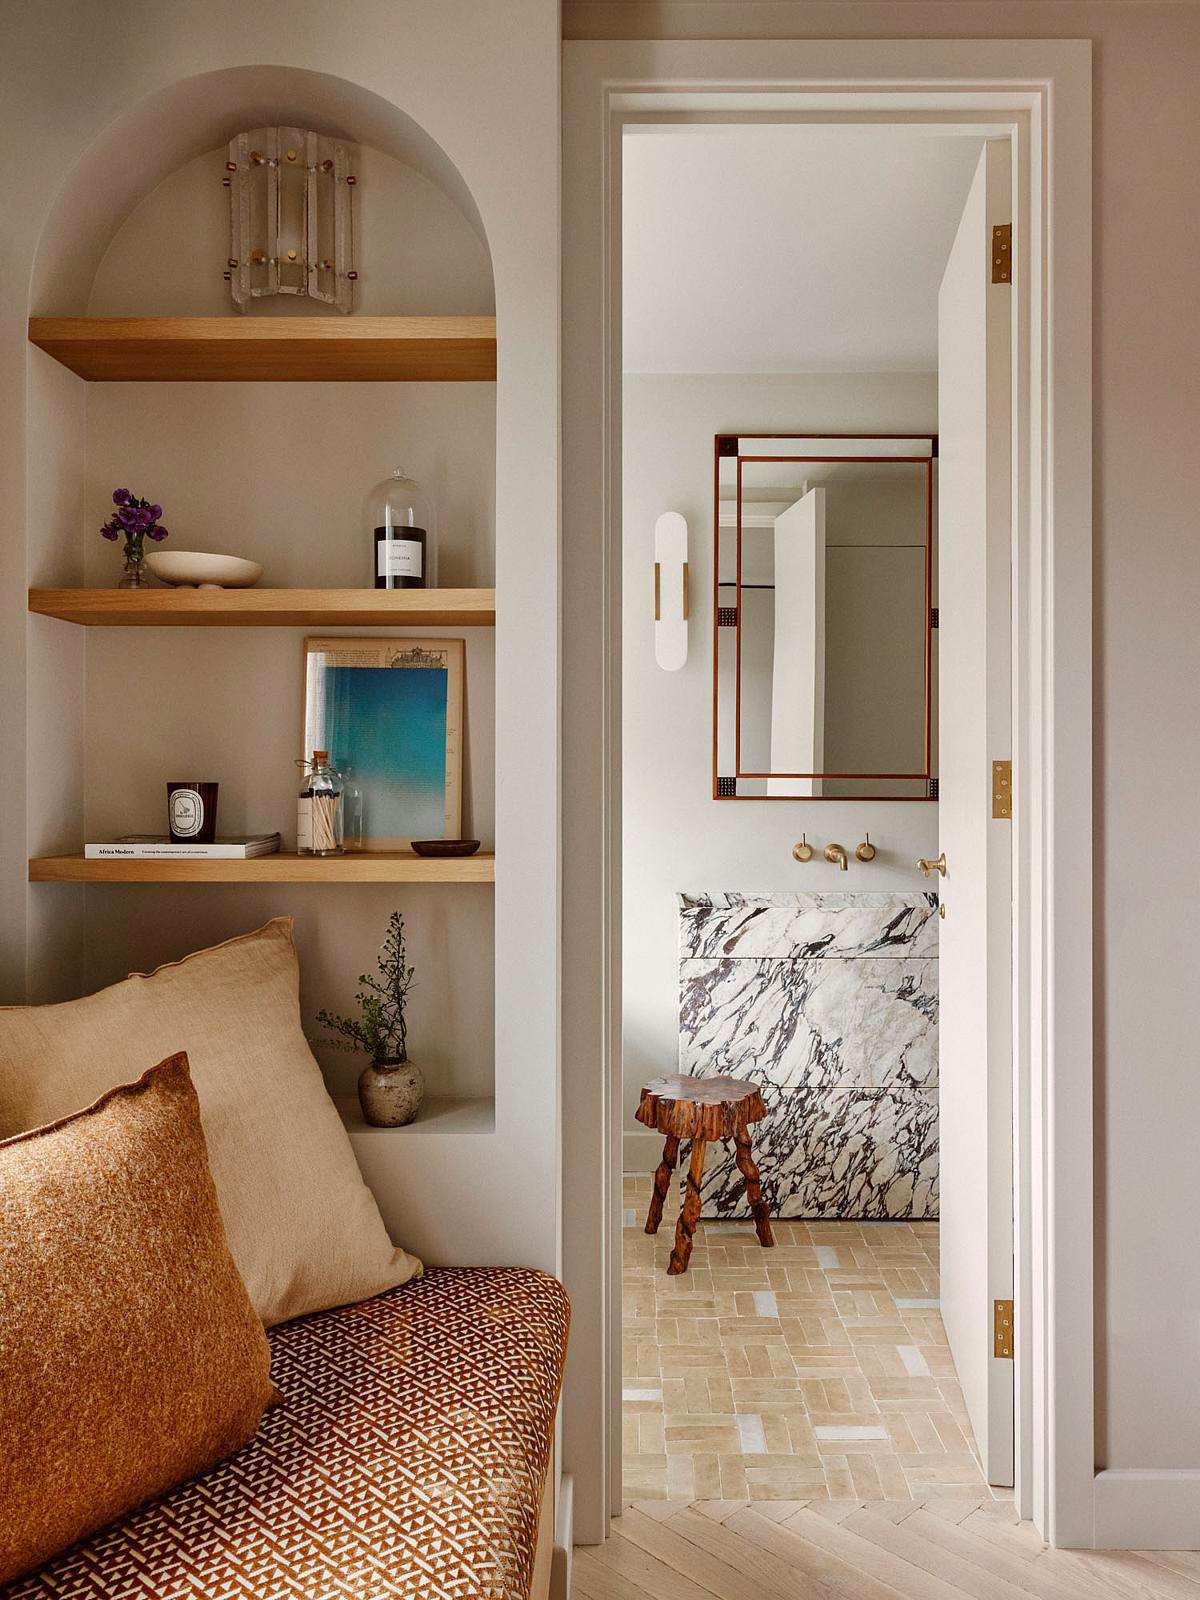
point(130, 1355)
point(302, 1226)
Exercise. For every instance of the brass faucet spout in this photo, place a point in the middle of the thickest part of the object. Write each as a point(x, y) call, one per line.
point(837, 853)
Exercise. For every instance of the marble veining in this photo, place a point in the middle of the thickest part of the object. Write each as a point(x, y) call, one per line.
point(811, 1022)
point(829, 1003)
point(835, 923)
point(837, 1153)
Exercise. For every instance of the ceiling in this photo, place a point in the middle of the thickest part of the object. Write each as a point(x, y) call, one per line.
point(795, 248)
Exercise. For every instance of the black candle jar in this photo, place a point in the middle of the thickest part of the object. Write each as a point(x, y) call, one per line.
point(192, 812)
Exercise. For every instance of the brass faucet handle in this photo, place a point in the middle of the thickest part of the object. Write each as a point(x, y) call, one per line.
point(836, 854)
point(928, 868)
point(866, 850)
point(802, 851)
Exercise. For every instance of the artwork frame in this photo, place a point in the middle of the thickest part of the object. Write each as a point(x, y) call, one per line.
point(390, 713)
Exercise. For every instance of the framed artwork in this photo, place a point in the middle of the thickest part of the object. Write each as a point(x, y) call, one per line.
point(390, 714)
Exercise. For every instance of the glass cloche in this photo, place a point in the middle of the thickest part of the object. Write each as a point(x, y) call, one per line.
point(402, 534)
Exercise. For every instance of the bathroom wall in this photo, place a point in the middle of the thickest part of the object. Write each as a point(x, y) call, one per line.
point(676, 837)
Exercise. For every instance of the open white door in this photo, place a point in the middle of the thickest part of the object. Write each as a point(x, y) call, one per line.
point(974, 729)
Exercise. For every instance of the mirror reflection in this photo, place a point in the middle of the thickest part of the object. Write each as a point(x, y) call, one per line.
point(824, 591)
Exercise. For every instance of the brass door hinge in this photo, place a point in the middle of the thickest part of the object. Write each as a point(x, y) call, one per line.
point(1002, 1345)
point(1002, 253)
point(1002, 790)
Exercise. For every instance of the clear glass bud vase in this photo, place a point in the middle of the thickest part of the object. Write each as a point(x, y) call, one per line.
point(135, 575)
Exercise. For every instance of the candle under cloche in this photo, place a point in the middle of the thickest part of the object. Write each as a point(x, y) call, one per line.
point(402, 534)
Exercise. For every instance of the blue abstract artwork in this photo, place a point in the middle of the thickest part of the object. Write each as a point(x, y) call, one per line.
point(388, 712)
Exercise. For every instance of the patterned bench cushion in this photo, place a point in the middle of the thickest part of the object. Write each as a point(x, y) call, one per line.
point(407, 1459)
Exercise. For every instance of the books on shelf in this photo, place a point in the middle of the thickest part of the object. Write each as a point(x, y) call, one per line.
point(160, 847)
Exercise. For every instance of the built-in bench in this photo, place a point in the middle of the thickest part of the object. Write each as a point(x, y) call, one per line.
point(409, 1457)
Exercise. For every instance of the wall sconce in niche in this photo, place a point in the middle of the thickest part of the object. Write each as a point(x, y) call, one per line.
point(290, 222)
point(671, 591)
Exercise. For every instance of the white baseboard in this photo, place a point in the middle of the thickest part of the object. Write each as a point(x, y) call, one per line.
point(1151, 1509)
point(564, 1524)
point(641, 1152)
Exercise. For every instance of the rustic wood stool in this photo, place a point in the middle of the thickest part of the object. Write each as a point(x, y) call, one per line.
point(701, 1109)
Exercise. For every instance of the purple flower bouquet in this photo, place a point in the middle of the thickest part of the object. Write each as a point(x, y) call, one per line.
point(135, 521)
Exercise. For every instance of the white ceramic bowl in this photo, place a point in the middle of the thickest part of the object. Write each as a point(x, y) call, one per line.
point(193, 569)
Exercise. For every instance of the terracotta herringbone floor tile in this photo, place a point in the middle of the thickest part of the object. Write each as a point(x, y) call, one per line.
point(817, 1372)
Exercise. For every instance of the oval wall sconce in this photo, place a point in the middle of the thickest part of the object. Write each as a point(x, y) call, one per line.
point(670, 591)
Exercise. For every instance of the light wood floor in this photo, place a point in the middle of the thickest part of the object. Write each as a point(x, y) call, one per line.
point(939, 1549)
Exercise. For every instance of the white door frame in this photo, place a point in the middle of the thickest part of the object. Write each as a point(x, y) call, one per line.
point(1038, 94)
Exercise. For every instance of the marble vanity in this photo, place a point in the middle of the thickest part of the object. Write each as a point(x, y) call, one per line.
point(829, 1003)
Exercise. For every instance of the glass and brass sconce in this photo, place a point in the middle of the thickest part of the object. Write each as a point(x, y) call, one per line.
point(291, 227)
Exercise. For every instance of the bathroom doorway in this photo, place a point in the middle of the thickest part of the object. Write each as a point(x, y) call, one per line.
point(779, 788)
point(1034, 94)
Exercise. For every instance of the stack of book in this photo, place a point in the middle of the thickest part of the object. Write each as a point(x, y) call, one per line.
point(160, 847)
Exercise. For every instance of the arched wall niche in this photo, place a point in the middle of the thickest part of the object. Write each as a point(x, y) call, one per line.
point(415, 252)
point(275, 471)
point(172, 127)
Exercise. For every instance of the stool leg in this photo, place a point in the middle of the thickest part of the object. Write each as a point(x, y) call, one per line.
point(749, 1172)
point(662, 1182)
point(688, 1217)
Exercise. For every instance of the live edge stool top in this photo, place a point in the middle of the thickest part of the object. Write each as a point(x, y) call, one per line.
point(700, 1109)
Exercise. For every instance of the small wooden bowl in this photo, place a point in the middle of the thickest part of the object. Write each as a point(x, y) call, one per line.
point(445, 847)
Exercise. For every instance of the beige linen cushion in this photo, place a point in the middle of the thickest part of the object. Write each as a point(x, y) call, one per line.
point(302, 1226)
point(130, 1355)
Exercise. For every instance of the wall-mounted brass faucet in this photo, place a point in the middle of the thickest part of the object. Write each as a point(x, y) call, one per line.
point(802, 851)
point(836, 853)
point(928, 868)
point(866, 850)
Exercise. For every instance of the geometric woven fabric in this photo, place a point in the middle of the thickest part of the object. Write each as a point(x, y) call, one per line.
point(407, 1459)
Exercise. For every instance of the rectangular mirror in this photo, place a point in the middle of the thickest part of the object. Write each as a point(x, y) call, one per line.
point(824, 616)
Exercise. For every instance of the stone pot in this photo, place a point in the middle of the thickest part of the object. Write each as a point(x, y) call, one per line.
point(390, 1093)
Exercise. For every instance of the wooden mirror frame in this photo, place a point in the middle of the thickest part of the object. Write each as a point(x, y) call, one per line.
point(729, 445)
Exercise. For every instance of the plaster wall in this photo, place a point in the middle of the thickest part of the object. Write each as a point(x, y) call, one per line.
point(676, 837)
point(142, 82)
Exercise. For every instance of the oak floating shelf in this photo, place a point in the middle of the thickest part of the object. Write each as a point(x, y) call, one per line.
point(268, 608)
point(272, 349)
point(360, 866)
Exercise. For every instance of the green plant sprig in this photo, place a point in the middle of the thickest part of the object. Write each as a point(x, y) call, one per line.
point(382, 1029)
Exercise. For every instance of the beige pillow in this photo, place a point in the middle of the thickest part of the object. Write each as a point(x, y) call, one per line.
point(122, 1373)
point(303, 1227)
